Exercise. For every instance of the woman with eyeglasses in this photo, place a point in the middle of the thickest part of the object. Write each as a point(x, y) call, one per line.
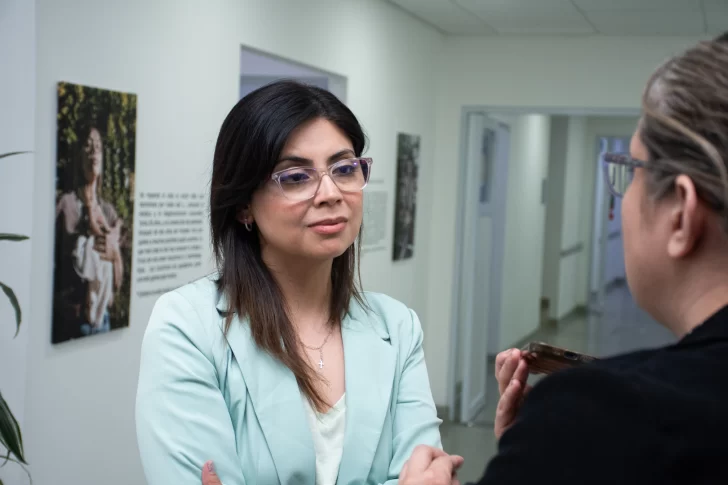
point(279, 369)
point(656, 416)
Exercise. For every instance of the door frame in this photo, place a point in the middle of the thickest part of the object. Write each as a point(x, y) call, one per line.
point(477, 125)
point(595, 299)
point(278, 67)
point(598, 250)
point(454, 328)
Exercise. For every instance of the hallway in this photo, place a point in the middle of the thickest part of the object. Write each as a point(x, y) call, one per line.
point(623, 327)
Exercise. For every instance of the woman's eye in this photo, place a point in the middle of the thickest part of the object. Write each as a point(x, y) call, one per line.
point(347, 169)
point(294, 178)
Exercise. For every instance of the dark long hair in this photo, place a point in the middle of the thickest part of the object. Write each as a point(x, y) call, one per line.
point(248, 147)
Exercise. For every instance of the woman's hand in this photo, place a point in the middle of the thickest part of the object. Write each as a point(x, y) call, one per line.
point(429, 466)
point(209, 477)
point(511, 371)
point(108, 245)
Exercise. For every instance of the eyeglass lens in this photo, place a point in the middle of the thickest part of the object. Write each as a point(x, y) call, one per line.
point(301, 183)
point(620, 176)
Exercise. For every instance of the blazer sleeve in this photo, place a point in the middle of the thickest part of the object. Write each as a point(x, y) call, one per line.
point(577, 426)
point(415, 417)
point(181, 416)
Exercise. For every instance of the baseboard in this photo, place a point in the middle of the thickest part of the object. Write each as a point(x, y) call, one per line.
point(577, 311)
point(544, 321)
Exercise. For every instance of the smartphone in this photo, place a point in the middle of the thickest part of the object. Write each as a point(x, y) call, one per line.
point(545, 359)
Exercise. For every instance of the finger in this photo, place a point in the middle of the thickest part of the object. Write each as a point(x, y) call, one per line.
point(441, 469)
point(505, 365)
point(403, 473)
point(457, 461)
point(501, 359)
point(507, 371)
point(521, 374)
point(209, 477)
point(507, 406)
point(422, 458)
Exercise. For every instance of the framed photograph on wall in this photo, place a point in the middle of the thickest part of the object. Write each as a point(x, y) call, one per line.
point(95, 163)
point(408, 156)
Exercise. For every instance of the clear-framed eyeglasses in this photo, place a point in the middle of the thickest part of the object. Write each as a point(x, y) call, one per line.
point(302, 183)
point(619, 171)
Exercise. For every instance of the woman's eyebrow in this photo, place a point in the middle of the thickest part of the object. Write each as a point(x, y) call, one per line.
point(307, 161)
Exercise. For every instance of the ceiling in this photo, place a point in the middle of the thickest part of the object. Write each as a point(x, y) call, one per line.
point(572, 17)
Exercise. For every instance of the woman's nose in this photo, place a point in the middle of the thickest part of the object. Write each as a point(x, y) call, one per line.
point(328, 191)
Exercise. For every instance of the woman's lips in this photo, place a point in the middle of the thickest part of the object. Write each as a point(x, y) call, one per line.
point(329, 226)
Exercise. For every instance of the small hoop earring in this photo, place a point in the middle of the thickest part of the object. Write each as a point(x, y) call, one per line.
point(248, 226)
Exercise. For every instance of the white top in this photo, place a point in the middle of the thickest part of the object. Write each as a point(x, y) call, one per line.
point(327, 430)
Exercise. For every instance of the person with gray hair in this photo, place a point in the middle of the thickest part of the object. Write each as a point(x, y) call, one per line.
point(656, 416)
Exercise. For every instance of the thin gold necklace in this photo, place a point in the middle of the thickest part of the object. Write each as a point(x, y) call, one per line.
point(319, 348)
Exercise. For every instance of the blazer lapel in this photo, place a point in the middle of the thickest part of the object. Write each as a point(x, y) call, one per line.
point(277, 403)
point(370, 367)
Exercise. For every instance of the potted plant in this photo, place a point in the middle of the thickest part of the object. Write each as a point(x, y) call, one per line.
point(10, 436)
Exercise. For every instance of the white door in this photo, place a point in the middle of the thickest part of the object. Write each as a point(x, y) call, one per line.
point(479, 273)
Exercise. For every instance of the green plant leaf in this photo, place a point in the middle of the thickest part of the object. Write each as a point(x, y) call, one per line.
point(10, 435)
point(16, 305)
point(12, 237)
point(3, 155)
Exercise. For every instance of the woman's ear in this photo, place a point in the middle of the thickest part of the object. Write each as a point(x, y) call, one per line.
point(687, 218)
point(245, 215)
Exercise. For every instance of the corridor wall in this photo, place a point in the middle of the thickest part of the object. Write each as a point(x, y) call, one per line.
point(182, 61)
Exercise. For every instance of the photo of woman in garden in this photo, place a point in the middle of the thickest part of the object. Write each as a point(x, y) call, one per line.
point(94, 211)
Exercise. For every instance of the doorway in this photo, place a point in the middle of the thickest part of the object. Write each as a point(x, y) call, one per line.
point(607, 259)
point(258, 69)
point(477, 292)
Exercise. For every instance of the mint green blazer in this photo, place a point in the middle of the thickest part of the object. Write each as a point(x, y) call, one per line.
point(205, 396)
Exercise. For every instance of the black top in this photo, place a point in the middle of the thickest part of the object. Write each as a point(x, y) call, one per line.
point(651, 417)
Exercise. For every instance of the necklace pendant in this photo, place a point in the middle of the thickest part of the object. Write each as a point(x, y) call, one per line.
point(321, 364)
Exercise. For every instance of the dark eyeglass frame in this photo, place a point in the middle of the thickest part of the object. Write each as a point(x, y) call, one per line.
point(276, 176)
point(622, 159)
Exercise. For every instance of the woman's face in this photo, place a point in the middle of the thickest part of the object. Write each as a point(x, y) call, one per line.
point(92, 156)
point(319, 228)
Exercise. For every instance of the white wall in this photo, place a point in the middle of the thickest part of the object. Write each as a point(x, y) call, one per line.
point(568, 72)
point(525, 216)
point(570, 295)
point(183, 63)
point(17, 133)
point(558, 144)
